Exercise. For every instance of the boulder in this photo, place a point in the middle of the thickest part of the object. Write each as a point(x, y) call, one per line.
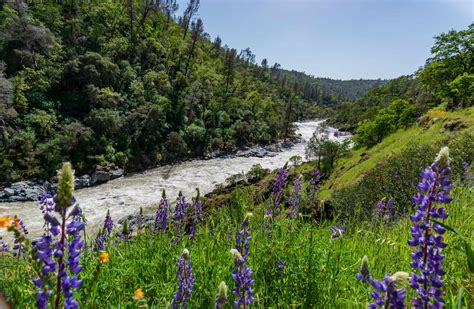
point(8, 192)
point(100, 177)
point(117, 173)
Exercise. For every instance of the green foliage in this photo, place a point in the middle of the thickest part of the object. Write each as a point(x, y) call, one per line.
point(399, 114)
point(126, 75)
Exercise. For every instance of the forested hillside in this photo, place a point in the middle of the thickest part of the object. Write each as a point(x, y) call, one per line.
point(125, 83)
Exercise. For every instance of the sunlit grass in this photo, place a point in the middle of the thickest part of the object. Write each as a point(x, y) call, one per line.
point(319, 270)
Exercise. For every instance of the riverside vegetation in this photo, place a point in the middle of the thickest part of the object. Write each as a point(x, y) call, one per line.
point(387, 223)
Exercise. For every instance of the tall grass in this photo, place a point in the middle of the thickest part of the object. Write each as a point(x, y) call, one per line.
point(319, 271)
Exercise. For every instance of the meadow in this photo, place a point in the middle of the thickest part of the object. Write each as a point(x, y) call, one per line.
point(295, 262)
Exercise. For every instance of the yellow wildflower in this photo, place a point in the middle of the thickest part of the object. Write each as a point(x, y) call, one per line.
point(104, 258)
point(139, 294)
point(5, 221)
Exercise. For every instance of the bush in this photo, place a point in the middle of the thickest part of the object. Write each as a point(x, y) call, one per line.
point(396, 178)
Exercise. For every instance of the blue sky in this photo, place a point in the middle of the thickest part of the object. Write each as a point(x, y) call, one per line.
point(340, 39)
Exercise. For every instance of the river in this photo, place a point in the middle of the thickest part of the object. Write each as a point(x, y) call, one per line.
point(125, 196)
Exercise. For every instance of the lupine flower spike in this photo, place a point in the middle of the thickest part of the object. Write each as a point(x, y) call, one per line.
point(337, 231)
point(179, 214)
point(161, 216)
point(427, 236)
point(58, 259)
point(242, 275)
point(389, 293)
point(295, 196)
point(221, 298)
point(277, 189)
point(364, 273)
point(242, 241)
point(186, 281)
point(314, 181)
point(196, 215)
point(384, 210)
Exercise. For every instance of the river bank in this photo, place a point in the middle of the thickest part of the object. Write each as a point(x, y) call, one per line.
point(126, 195)
point(31, 190)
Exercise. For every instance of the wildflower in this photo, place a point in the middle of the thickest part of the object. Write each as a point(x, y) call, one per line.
point(384, 210)
point(196, 216)
point(427, 236)
point(3, 246)
point(278, 184)
point(314, 181)
point(139, 294)
point(186, 281)
point(221, 298)
point(161, 217)
point(295, 196)
point(280, 265)
point(242, 275)
point(338, 230)
point(179, 214)
point(104, 258)
point(387, 293)
point(242, 241)
point(100, 241)
point(108, 224)
point(5, 222)
point(364, 273)
point(70, 280)
point(65, 186)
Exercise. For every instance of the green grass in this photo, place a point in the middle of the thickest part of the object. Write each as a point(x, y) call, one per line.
point(319, 272)
point(349, 170)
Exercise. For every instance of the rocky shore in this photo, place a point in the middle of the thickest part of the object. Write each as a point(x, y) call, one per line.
point(31, 190)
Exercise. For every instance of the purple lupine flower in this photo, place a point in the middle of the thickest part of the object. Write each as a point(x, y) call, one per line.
point(280, 266)
point(427, 236)
point(186, 281)
point(3, 246)
point(242, 275)
point(277, 189)
point(364, 273)
point(104, 233)
point(314, 181)
point(242, 241)
point(295, 196)
point(179, 214)
point(108, 224)
point(196, 216)
point(100, 241)
point(161, 216)
point(46, 202)
point(45, 255)
point(337, 231)
point(221, 298)
point(386, 292)
point(71, 281)
point(384, 210)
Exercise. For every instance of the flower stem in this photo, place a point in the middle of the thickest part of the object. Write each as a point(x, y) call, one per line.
point(61, 258)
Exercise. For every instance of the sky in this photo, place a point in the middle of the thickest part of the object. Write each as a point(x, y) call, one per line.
point(340, 39)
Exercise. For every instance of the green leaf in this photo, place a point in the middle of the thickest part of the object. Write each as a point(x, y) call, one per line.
point(452, 229)
point(459, 298)
point(470, 256)
point(467, 245)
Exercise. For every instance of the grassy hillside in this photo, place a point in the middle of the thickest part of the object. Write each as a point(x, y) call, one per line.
point(434, 129)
